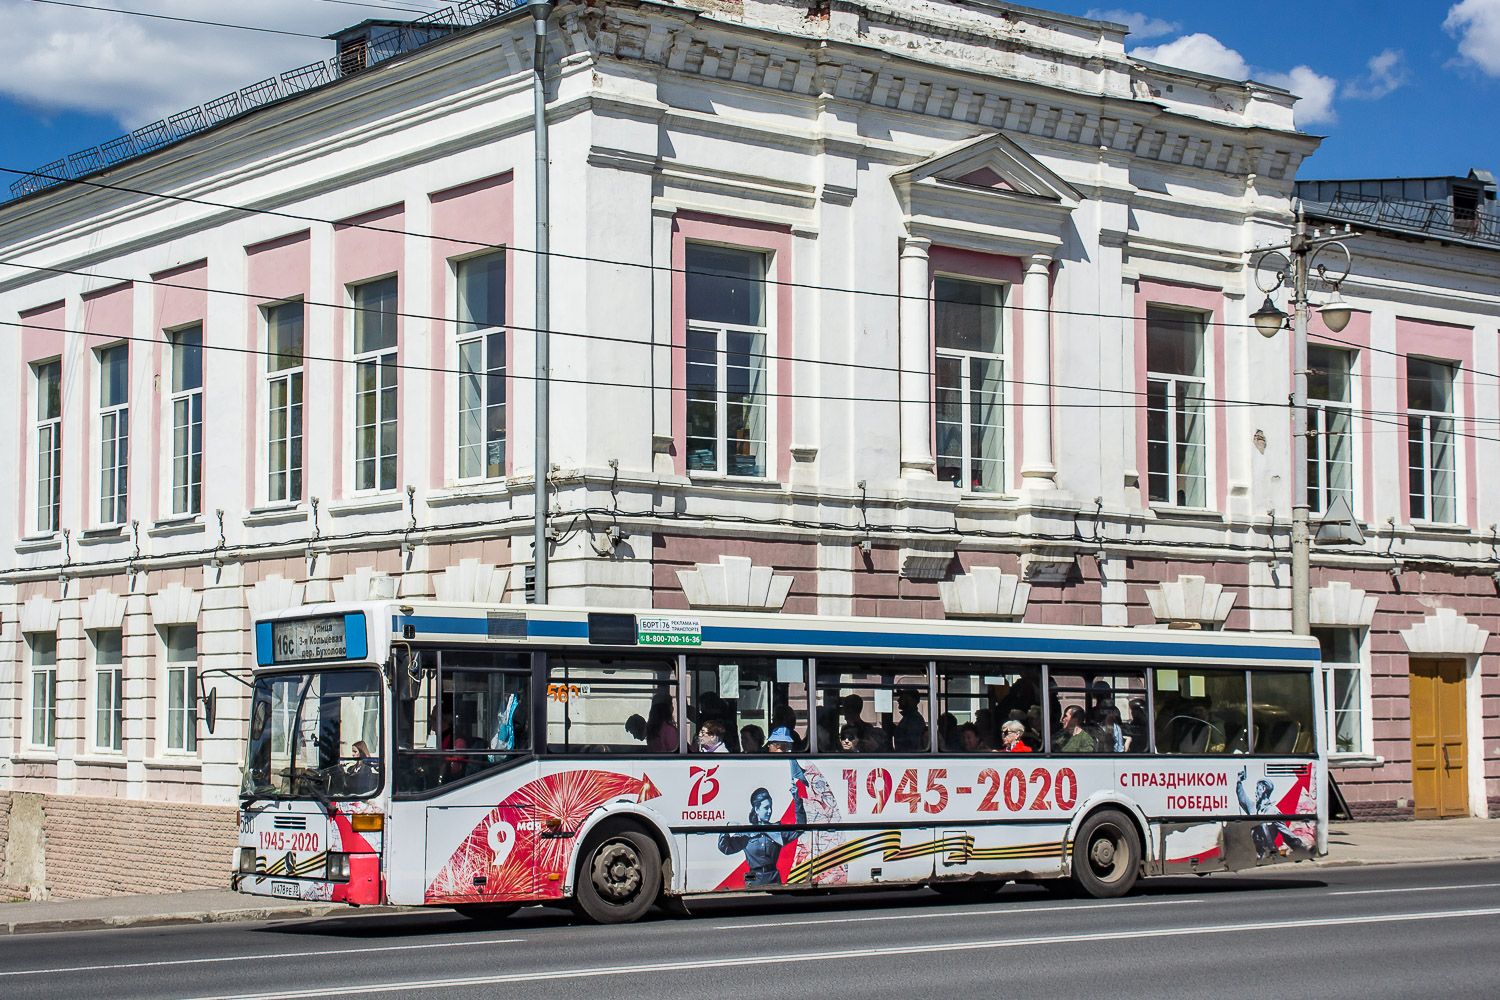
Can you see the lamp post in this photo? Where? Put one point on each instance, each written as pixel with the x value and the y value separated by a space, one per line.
pixel 541 10
pixel 1291 266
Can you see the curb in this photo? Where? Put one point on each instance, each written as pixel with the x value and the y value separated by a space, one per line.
pixel 201 917
pixel 1371 863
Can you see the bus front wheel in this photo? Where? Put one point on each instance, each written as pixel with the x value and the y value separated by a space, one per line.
pixel 1106 855
pixel 620 877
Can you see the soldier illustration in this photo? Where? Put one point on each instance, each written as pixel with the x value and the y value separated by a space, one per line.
pixel 762 847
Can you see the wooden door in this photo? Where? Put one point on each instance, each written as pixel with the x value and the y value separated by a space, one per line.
pixel 1439 754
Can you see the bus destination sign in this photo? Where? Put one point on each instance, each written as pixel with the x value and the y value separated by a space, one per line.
pixel 306 639
pixel 669 632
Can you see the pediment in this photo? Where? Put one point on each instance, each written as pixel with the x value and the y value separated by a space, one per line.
pixel 990 163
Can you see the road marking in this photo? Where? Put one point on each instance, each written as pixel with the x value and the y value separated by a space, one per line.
pixel 261 958
pixel 1417 888
pixel 994 910
pixel 885 951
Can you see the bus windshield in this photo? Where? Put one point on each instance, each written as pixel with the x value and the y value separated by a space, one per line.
pixel 315 735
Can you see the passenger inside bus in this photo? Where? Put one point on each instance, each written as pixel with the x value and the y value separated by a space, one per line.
pixel 1013 737
pixel 1072 737
pixel 752 739
pixel 971 741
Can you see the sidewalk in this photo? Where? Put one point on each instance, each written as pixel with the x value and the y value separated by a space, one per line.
pixel 1409 842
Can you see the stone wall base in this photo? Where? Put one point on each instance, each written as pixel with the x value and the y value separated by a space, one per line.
pixel 72 847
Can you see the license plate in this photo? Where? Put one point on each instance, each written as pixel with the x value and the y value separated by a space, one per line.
pixel 290 889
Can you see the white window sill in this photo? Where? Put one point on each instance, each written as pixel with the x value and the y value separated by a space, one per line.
pixel 720 479
pixel 102 758
pixel 39 543
pixel 479 490
pixel 168 526
pixel 102 536
pixel 280 514
pixel 1354 760
pixel 182 763
pixel 1442 527
pixel 1164 512
pixel 375 503
pixel 36 755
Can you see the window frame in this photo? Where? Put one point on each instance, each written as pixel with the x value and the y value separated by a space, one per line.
pixel 381 362
pixel 1360 666
pixel 190 504
pixel 116 708
pixel 46 478
pixel 485 337
pixel 48 672
pixel 965 390
pixel 294 378
pixel 1175 410
pixel 113 450
pixel 1428 498
pixel 1319 494
pixel 189 707
pixel 720 332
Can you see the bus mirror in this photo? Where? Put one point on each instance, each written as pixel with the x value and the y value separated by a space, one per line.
pixel 211 709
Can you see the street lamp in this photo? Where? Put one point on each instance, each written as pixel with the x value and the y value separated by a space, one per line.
pixel 1291 266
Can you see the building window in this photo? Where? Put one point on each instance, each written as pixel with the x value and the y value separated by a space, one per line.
pixel 1346 695
pixel 109 703
pixel 1330 422
pixel 284 402
pixel 114 432
pixel 48 445
pixel 1176 448
pixel 726 360
pixel 182 688
pixel 1430 443
pixel 375 385
pixel 970 384
pixel 187 420
pixel 481 364
pixel 43 688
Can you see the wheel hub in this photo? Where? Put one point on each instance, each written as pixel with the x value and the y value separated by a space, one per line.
pixel 1103 853
pixel 617 872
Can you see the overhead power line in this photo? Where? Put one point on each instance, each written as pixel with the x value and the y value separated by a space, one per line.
pixel 180 20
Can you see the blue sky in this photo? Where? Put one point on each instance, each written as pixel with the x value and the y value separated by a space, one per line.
pixel 1400 88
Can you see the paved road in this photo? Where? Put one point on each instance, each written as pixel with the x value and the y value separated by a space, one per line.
pixel 1418 931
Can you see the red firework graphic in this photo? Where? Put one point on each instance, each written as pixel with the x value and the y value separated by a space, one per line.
pixel 515 849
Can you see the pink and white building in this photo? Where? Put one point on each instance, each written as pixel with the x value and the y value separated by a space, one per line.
pixel 932 308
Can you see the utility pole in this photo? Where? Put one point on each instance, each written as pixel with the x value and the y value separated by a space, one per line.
pixel 541 10
pixel 1291 266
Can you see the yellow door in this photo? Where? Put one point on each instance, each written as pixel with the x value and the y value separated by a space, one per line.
pixel 1439 756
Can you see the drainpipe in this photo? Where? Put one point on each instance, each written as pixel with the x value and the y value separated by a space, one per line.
pixel 541 10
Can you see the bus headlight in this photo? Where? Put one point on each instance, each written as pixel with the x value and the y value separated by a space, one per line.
pixel 247 860
pixel 338 866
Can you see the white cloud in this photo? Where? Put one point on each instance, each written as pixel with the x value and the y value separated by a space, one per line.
pixel 1314 92
pixel 1206 54
pixel 1200 53
pixel 1476 25
pixel 138 70
pixel 1140 25
pixel 1387 72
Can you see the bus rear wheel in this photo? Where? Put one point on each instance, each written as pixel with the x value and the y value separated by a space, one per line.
pixel 1106 855
pixel 620 877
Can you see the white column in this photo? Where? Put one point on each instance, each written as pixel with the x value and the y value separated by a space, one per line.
pixel 916 362
pixel 1037 470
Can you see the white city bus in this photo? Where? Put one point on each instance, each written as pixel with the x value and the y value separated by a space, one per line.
pixel 486 757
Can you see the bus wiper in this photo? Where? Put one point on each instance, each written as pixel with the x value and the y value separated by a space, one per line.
pixel 310 786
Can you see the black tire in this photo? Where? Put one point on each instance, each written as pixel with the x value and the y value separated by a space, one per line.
pixel 1106 855
pixel 969 891
pixel 488 914
pixel 619 877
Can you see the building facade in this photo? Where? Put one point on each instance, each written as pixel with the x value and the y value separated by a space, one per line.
pixel 934 308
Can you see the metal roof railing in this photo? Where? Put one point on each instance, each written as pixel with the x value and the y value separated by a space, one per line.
pixel 1435 219
pixel 398 41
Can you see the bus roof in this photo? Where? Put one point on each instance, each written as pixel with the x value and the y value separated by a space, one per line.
pixel 773 634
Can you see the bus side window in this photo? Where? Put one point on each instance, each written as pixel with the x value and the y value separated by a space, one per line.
pixel 872 709
pixel 1108 710
pixel 470 715
pixel 602 704
pixel 751 697
pixel 976 699
pixel 1201 711
pixel 1281 712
